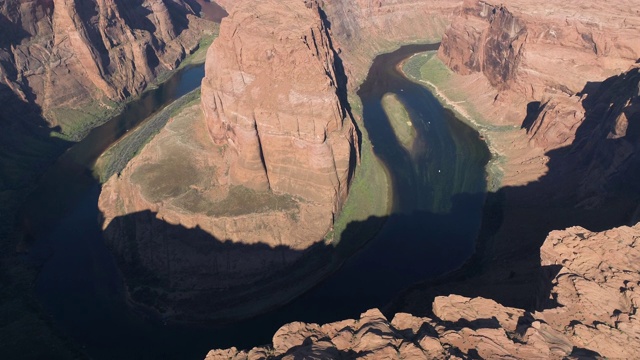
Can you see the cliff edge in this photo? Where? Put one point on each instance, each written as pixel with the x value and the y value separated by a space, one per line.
pixel 275 94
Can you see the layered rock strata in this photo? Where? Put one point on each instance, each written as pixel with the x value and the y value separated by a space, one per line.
pixel 273 97
pixel 224 202
pixel 364 29
pixel 556 86
pixel 540 66
pixel 560 116
pixel 73 58
pixel 590 312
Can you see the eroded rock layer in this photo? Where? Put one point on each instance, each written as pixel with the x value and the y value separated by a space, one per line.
pixel 72 58
pixel 590 312
pixel 226 209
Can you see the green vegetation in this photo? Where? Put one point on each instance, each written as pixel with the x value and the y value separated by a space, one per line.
pixel 76 123
pixel 399 119
pixel 235 204
pixel 195 58
pixel 369 194
pixel 427 69
pixel 120 153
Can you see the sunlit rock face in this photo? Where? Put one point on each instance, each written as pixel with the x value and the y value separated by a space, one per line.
pixel 273 97
pixel 363 29
pixel 493 46
pixel 76 57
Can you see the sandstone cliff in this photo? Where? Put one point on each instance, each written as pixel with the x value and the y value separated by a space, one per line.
pixel 565 76
pixel 74 59
pixel 276 98
pixel 590 312
pixel 362 29
pixel 263 171
pixel 555 87
pixel 530 56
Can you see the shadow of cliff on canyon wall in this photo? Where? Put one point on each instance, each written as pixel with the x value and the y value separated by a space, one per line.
pixel 27 140
pixel 200 277
pixel 342 90
pixel 594 182
pixel 135 15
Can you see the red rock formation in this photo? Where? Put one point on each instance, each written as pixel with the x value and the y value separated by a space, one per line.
pixel 490 40
pixel 530 56
pixel 83 55
pixel 591 312
pixel 273 96
pixel 545 72
pixel 264 172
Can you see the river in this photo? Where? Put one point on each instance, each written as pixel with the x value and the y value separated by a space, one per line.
pixel 438 194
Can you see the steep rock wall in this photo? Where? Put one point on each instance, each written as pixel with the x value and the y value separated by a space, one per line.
pixel 84 55
pixel 277 99
pixel 559 76
pixel 528 55
pixel 364 28
pixel 489 41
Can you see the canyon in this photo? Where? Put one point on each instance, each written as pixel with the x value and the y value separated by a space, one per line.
pixel 229 210
pixel 66 67
pixel 555 94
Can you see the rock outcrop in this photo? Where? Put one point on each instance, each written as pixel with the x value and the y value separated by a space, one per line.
pixel 590 312
pixel 74 59
pixel 278 99
pixel 494 45
pixel 264 169
pixel 543 60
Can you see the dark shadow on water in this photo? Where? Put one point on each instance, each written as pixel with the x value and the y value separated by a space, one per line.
pixel 427 234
